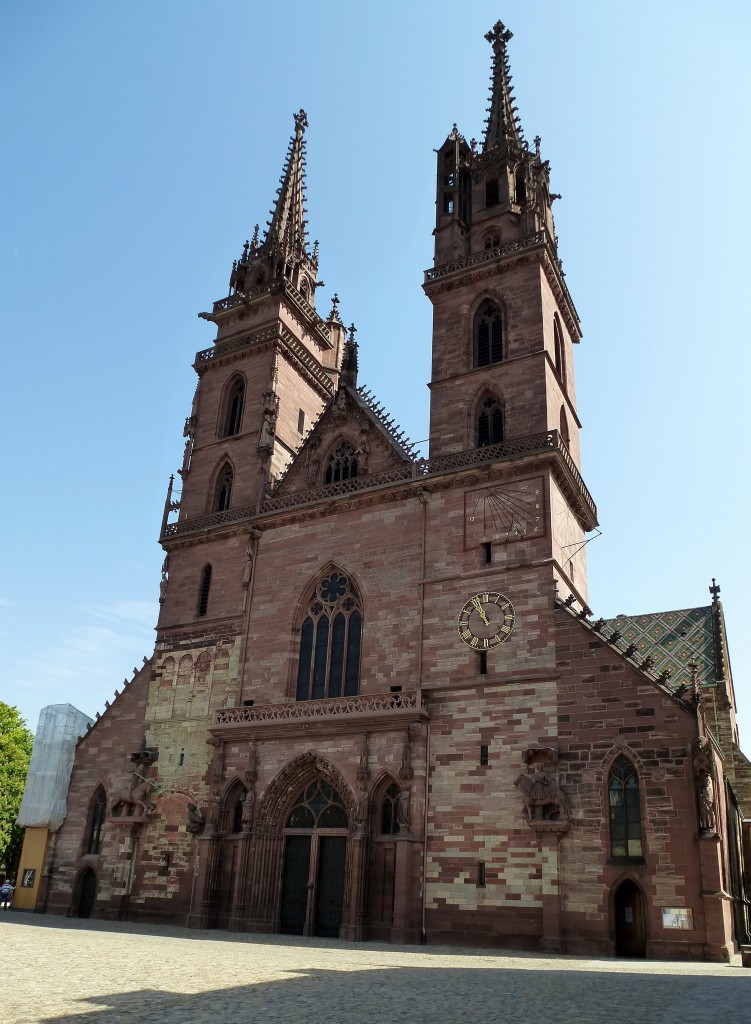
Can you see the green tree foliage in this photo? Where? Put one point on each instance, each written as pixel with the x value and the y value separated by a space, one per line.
pixel 15 753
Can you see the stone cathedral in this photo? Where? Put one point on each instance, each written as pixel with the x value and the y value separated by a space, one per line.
pixel 379 706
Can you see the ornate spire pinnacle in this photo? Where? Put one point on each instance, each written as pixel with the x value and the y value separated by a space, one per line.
pixel 502 125
pixel 286 229
pixel 349 359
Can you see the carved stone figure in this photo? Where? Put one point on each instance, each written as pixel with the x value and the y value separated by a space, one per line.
pixel 313 460
pixel 164 580
pixel 248 567
pixel 268 429
pixel 135 799
pixel 196 820
pixel 362 452
pixel 544 800
pixel 402 809
pixel 707 810
pixel 212 815
pixel 248 804
pixel 362 809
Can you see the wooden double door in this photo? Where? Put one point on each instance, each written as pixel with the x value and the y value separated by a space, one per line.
pixel 313 883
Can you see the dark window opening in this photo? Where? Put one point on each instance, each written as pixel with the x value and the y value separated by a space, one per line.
pixel 342 464
pixel 203 593
pixel 98 816
pixel 488 335
pixel 484 754
pixel 625 810
pixel 480 874
pixel 521 188
pixel 489 422
pixel 235 401
pixel 448 202
pixel 483 656
pixel 487 550
pixel 223 493
pixel 492 196
pixel 301 421
pixel 395 689
pixel 389 811
pixel 237 816
pixel 181 762
pixel 164 864
pixel 448 180
pixel 318 806
pixel 247 703
pixel 492 241
pixel 330 640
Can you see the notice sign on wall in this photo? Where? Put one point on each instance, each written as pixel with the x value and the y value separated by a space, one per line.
pixel 27 878
pixel 673 917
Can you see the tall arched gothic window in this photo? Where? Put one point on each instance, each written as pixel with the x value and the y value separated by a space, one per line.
pixel 223 492
pixel 234 408
pixel 625 810
pixel 330 638
pixel 488 335
pixel 96 823
pixel 560 351
pixel 489 422
pixel 342 463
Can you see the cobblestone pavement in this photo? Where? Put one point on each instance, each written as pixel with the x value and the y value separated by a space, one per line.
pixel 93 972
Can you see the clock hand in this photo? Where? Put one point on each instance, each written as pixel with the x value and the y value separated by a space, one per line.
pixel 480 611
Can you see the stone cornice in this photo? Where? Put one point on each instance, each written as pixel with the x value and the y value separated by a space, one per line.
pixel 413 478
pixel 254 295
pixel 490 262
pixel 274 334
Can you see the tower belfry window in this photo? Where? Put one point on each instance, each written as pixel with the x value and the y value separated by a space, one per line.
pixel 489 422
pixel 492 197
pixel 223 493
pixel 234 412
pixel 330 637
pixel 488 335
pixel 342 463
pixel 203 591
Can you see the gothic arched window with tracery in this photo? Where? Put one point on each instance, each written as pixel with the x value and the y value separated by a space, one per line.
pixel 330 638
pixel 342 463
pixel 489 422
pixel 625 810
pixel 223 491
pixel 96 822
pixel 488 335
pixel 234 408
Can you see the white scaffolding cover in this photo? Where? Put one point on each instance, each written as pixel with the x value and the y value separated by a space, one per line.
pixel 46 791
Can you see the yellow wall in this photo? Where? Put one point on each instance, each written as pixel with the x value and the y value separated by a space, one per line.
pixel 32 857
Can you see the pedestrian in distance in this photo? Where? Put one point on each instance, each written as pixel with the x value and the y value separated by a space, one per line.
pixel 6 894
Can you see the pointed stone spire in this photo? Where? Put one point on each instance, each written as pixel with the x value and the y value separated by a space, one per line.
pixel 286 229
pixel 334 314
pixel 502 126
pixel 349 359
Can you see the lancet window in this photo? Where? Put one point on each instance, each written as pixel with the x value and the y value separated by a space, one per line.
pixel 234 408
pixel 223 492
pixel 489 422
pixel 342 463
pixel 625 810
pixel 96 824
pixel 389 811
pixel 203 590
pixel 330 638
pixel 488 335
pixel 560 352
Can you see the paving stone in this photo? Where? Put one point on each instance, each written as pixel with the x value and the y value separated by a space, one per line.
pixel 92 972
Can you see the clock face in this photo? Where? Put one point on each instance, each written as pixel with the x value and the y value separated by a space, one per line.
pixel 486 621
pixel 507 513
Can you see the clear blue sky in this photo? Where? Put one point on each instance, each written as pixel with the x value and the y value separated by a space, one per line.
pixel 142 142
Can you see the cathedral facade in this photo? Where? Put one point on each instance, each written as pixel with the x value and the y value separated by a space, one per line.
pixel 379 706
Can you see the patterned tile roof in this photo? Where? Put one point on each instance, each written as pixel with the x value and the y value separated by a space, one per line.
pixel 673 639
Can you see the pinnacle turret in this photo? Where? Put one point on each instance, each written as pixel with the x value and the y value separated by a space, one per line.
pixel 502 126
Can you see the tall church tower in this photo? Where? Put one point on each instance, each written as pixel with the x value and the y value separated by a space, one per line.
pixel 504 329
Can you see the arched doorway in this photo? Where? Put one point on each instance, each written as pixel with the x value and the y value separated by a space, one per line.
pixel 315 854
pixel 86 893
pixel 630 925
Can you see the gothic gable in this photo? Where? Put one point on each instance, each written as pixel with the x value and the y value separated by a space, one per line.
pixel 351 439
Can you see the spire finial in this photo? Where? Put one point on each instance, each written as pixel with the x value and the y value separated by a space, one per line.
pixel 503 123
pixel 334 314
pixel 714 590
